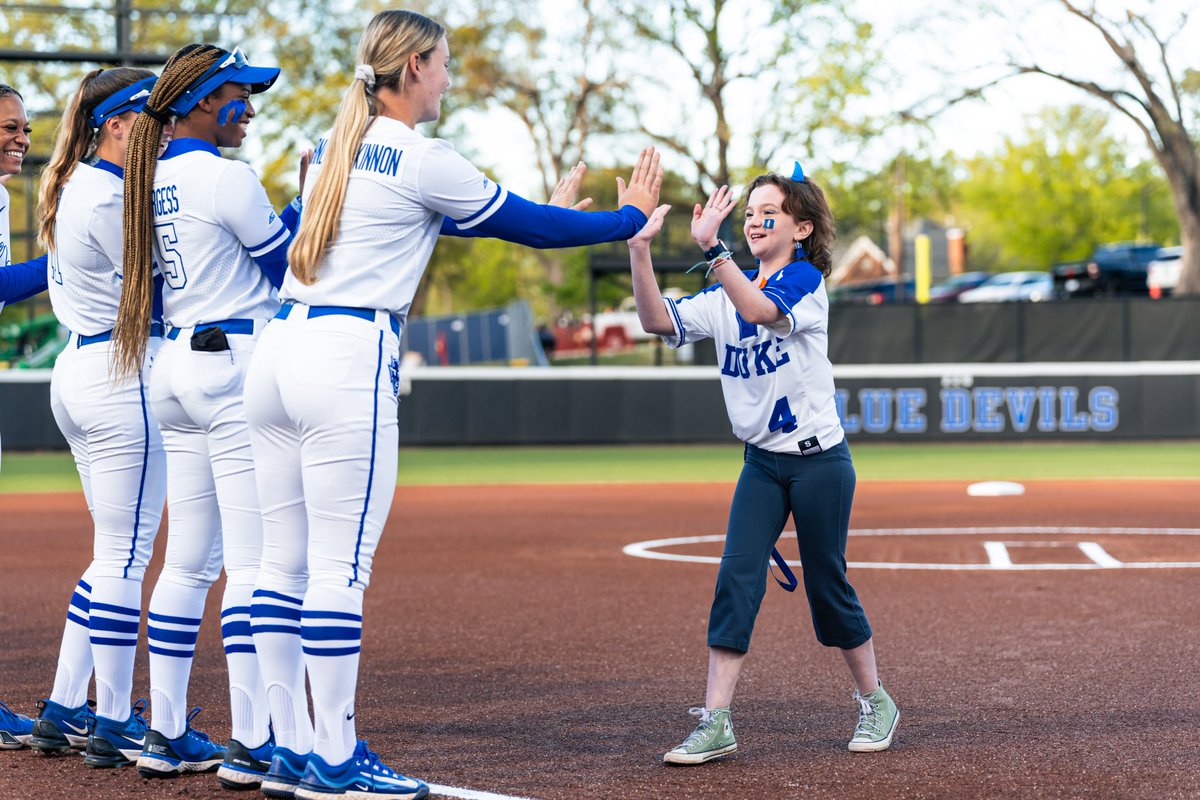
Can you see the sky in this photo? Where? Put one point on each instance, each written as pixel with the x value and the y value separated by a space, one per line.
pixel 934 50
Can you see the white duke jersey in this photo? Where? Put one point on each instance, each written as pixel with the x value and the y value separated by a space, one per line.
pixel 84 270
pixel 777 382
pixel 400 188
pixel 211 219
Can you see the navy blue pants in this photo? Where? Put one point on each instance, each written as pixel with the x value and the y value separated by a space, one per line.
pixel 817 491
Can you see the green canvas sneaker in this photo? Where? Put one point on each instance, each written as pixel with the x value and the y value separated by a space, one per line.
pixel 877 720
pixel 712 738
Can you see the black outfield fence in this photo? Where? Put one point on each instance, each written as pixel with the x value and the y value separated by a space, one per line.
pixel 1118 329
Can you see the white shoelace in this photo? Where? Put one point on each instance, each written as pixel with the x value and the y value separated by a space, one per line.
pixel 867 723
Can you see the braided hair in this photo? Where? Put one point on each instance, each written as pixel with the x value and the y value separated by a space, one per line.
pixel 186 66
pixel 77 139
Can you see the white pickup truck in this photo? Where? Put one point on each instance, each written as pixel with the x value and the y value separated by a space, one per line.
pixel 620 328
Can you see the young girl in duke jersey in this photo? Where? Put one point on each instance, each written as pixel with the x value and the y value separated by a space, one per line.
pixel 321 394
pixel 770 326
pixel 109 426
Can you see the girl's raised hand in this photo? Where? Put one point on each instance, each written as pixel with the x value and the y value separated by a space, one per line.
pixel 653 225
pixel 707 219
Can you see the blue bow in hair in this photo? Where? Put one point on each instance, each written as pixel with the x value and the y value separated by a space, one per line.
pixel 796 173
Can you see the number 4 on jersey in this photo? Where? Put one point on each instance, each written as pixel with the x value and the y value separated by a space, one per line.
pixel 171 264
pixel 782 417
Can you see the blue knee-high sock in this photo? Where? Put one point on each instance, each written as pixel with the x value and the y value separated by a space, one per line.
pixel 275 624
pixel 248 707
pixel 331 629
pixel 173 624
pixel 75 654
pixel 116 614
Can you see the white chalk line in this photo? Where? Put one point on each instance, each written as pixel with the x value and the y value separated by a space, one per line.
pixel 998 560
pixel 470 794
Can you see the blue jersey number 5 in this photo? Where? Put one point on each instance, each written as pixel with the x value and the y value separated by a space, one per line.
pixel 172 261
pixel 782 417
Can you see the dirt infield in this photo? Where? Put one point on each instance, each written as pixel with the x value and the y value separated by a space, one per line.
pixel 511 647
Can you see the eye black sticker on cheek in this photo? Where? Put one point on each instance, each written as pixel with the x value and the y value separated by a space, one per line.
pixel 231 112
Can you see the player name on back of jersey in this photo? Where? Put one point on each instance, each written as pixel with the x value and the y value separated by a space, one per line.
pixel 382 159
pixel 166 201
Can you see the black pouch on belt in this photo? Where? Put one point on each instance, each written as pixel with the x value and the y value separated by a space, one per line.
pixel 210 340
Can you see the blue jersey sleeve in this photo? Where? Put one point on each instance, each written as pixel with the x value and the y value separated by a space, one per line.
pixel 23 280
pixel 526 223
pixel 290 216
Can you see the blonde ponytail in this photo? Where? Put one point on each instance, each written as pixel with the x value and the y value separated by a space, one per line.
pixel 387 43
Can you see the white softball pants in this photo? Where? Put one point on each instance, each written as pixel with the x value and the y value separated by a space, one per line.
pixel 321 401
pixel 212 518
pixel 118 450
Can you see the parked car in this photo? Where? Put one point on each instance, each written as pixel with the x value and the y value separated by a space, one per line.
pixel 872 293
pixel 1162 274
pixel 1004 287
pixel 1112 269
pixel 949 290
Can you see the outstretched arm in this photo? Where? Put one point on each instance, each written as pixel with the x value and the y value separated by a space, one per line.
pixel 546 226
pixel 753 306
pixel 23 280
pixel 652 314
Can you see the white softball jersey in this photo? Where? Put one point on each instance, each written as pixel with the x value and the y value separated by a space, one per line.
pixel 777 381
pixel 401 187
pixel 214 229
pixel 5 244
pixel 84 271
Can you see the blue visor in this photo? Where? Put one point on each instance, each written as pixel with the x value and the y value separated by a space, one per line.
pixel 131 98
pixel 234 68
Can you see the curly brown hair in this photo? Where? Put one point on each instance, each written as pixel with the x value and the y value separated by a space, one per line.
pixel 805 200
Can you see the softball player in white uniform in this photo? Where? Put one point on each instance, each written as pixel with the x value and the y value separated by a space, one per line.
pixel 110 428
pixel 321 393
pixel 16 283
pixel 221 249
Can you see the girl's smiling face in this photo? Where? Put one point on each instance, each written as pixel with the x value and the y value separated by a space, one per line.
pixel 770 231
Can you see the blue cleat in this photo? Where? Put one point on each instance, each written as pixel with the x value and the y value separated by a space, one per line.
pixel 117 744
pixel 244 767
pixel 361 777
pixel 287 768
pixel 59 729
pixel 192 752
pixel 15 729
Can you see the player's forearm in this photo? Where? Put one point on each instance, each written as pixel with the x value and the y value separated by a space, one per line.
pixel 23 280
pixel 652 314
pixel 753 306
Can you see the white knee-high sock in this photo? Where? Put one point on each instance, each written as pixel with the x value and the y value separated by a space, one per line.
pixel 173 623
pixel 116 615
pixel 75 654
pixel 275 624
pixel 331 629
pixel 248 706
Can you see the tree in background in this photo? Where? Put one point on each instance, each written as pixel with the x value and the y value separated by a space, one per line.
pixel 1161 101
pixel 799 63
pixel 1067 186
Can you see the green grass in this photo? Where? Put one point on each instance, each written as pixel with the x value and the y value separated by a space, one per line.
pixel 55 472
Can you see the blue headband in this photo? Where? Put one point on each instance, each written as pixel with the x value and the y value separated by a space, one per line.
pixel 233 68
pixel 131 98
